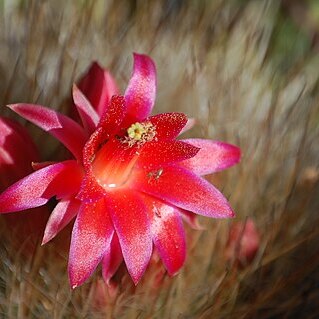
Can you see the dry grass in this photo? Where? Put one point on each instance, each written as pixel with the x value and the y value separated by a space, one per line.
pixel 227 63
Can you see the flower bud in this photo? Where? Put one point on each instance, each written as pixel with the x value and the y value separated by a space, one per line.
pixel 243 242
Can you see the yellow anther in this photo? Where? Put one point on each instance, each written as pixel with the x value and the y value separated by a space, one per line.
pixel 136 131
pixel 140 133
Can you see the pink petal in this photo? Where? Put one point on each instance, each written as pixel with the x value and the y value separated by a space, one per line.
pixel 213 156
pixel 168 234
pixel 141 91
pixel 156 154
pixel 88 115
pixel 168 125
pixel 98 86
pixel 91 235
pixel 60 126
pixel 61 179
pixel 62 214
pixel 189 125
pixel 185 190
pixel 130 219
pixel 112 259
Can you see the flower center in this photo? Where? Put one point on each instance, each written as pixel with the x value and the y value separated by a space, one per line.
pixel 113 164
pixel 136 131
pixel 140 133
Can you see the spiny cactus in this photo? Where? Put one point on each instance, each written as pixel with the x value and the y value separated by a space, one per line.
pixel 247 71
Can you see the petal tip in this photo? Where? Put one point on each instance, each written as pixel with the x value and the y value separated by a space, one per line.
pixel 75 89
pixel 136 278
pixel 173 273
pixel 107 281
pixel 12 106
pixel 136 274
pixel 230 213
pixel 140 94
pixel 46 238
pixel 76 92
pixel 74 283
pixel 237 154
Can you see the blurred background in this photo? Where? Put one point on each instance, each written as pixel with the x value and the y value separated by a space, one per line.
pixel 248 72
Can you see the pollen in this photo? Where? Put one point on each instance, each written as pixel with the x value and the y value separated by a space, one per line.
pixel 136 131
pixel 140 133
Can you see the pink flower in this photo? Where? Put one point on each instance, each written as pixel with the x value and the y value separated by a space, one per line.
pixel 129 182
pixel 17 152
pixel 243 242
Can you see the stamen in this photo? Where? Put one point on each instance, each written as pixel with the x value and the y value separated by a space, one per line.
pixel 140 133
pixel 135 131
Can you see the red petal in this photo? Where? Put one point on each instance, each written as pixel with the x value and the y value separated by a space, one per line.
pixel 62 214
pixel 113 116
pixel 98 86
pixel 141 91
pixel 112 259
pixel 60 126
pixel 168 234
pixel 88 115
pixel 91 235
pixel 61 179
pixel 156 154
pixel 168 125
pixel 213 156
pixel 67 183
pixel 130 219
pixel 185 190
pixel 90 189
pixel 94 143
pixel 107 126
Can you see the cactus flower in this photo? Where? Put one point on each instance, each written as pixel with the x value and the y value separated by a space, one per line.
pixel 129 181
pixel 17 152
